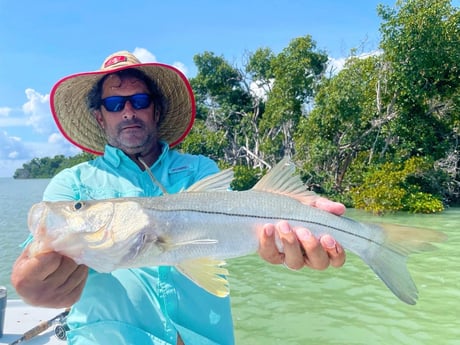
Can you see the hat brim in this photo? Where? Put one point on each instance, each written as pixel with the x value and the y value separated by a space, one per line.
pixel 68 101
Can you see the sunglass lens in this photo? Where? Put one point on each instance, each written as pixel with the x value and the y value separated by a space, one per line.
pixel 114 103
pixel 117 103
pixel 140 101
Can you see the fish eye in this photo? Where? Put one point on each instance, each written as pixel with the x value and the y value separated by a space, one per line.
pixel 78 205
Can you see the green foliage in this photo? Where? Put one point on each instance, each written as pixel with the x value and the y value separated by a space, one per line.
pixel 381 190
pixel 421 202
pixel 258 106
pixel 344 122
pixel 40 167
pixel 205 142
pixel 74 160
pixel 296 71
pixel 225 105
pixel 48 167
pixel 260 65
pixel 245 177
pixel 387 188
pixel 420 42
pixel 386 109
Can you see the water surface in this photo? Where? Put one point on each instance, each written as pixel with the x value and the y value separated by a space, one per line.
pixel 16 197
pixel 350 305
pixel 272 305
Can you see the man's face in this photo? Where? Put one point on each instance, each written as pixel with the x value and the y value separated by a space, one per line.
pixel 131 130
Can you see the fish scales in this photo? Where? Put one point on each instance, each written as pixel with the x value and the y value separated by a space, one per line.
pixel 228 217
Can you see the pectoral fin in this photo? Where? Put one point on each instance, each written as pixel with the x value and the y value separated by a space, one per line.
pixel 208 274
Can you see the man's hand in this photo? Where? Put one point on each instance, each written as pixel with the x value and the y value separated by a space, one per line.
pixel 48 280
pixel 300 247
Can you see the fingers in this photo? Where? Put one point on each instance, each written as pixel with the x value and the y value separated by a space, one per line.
pixel 334 250
pixel 330 206
pixel 294 255
pixel 67 276
pixel 49 280
pixel 299 248
pixel 71 288
pixel 268 249
pixel 39 266
pixel 315 255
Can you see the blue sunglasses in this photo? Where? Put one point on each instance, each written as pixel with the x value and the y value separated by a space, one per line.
pixel 117 103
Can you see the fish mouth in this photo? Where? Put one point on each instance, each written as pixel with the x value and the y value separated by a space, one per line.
pixel 36 218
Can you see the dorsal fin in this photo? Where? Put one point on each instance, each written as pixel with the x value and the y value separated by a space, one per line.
pixel 217 182
pixel 281 179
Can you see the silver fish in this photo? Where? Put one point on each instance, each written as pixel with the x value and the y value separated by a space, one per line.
pixel 197 229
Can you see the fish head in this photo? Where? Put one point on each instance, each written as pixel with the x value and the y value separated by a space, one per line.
pixel 55 218
pixel 59 226
pixel 102 234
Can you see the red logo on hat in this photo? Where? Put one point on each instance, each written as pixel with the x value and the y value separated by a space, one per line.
pixel 114 60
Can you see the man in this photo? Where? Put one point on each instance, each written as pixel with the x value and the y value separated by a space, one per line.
pixel 134 113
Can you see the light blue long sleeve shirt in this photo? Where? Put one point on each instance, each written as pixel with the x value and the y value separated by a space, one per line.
pixel 144 305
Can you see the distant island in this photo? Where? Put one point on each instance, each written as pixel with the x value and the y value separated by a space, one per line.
pixel 47 167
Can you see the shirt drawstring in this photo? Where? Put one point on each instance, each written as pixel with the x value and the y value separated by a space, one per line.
pixel 152 177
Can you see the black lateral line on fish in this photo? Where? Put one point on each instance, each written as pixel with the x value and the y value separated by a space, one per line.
pixel 281 218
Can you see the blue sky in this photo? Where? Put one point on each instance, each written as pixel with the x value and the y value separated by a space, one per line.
pixel 44 41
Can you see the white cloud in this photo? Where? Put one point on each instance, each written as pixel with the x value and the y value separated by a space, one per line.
pixel 336 65
pixel 13 155
pixel 12 117
pixel 12 122
pixel 9 166
pixel 14 152
pixel 11 147
pixel 38 112
pixel 58 145
pixel 5 111
pixel 181 67
pixel 144 55
pixel 56 138
pixel 260 90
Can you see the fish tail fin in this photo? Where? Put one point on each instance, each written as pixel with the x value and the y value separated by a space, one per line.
pixel 207 273
pixel 389 261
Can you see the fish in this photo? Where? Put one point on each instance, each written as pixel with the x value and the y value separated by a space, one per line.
pixel 198 229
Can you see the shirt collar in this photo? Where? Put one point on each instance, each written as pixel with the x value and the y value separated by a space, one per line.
pixel 117 157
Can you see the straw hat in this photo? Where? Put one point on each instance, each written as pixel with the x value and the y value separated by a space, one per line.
pixel 75 121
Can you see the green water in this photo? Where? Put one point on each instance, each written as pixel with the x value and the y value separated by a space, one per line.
pixel 350 305
pixel 272 305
